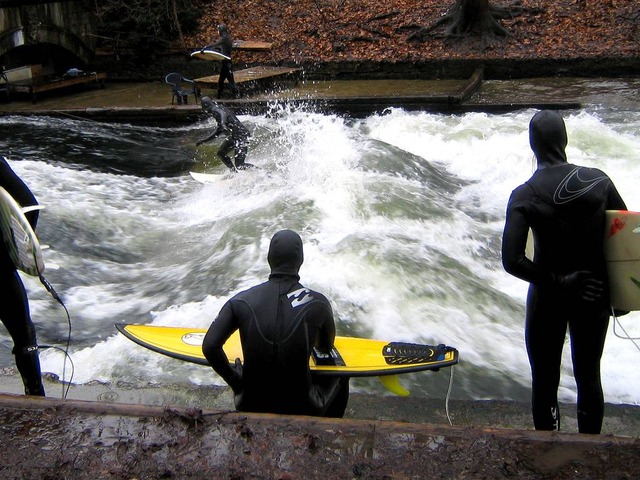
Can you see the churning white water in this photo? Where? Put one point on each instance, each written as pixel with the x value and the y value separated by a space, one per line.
pixel 401 215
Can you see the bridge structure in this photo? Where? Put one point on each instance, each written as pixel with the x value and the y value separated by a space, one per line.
pixel 58 35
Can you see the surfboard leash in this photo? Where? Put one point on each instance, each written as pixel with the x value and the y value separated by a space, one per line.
pixel 448 395
pixel 65 350
pixel 626 336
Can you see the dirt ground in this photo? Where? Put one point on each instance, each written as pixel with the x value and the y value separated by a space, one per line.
pixel 380 30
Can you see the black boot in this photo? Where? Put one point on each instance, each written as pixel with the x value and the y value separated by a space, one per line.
pixel 28 364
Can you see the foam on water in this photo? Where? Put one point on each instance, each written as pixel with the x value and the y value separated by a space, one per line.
pixel 401 215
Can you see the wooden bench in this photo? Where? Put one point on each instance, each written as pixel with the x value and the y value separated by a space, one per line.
pixel 45 83
pixel 252 74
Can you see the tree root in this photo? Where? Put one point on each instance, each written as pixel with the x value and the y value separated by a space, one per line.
pixel 473 19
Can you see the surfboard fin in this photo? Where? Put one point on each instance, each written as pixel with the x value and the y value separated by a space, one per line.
pixel 392 383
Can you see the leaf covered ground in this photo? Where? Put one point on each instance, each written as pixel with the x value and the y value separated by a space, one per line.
pixel 361 30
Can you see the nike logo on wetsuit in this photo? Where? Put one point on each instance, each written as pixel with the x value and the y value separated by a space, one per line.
pixel 572 187
pixel 299 297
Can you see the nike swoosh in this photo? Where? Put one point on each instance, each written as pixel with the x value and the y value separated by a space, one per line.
pixel 572 187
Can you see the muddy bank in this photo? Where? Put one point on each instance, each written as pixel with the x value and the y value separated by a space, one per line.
pixel 620 420
pixel 86 440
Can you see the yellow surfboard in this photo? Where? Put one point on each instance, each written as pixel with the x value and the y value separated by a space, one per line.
pixel 351 356
pixel 622 252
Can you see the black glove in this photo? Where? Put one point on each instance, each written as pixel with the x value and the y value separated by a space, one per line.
pixel 581 284
pixel 236 383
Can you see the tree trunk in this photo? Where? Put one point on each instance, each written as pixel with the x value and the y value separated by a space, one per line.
pixel 466 18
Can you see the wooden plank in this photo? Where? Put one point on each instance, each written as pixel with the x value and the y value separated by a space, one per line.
pixel 251 45
pixel 248 75
pixel 41 84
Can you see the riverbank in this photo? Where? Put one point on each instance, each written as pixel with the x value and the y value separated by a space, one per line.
pixel 620 420
pixel 124 432
pixel 374 39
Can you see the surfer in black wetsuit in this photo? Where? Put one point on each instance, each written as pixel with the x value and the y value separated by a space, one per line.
pixel 224 45
pixel 237 135
pixel 280 322
pixel 564 206
pixel 14 307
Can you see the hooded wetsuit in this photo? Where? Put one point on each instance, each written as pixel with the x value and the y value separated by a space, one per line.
pixel 14 307
pixel 225 46
pixel 237 135
pixel 280 321
pixel 564 206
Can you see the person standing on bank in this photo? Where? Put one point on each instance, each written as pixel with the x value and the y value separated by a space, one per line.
pixel 280 322
pixel 564 206
pixel 225 46
pixel 14 307
pixel 237 135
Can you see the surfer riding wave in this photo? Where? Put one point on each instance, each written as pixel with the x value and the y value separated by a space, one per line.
pixel 237 135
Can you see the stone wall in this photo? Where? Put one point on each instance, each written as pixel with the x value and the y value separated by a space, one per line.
pixel 66 24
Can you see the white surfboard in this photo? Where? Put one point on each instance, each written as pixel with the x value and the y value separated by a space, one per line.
pixel 206 54
pixel 622 251
pixel 17 234
pixel 208 177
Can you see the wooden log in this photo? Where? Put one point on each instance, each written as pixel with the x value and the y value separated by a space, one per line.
pixel 88 440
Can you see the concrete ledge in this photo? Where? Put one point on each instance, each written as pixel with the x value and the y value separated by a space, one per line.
pixel 355 107
pixel 88 440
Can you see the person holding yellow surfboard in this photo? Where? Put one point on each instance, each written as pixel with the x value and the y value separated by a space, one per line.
pixel 564 206
pixel 280 323
pixel 14 308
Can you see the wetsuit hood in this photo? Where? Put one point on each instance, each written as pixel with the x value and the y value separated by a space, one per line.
pixel 222 29
pixel 548 138
pixel 285 255
pixel 207 104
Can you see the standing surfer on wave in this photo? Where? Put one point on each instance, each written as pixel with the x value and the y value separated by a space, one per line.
pixel 564 206
pixel 237 135
pixel 14 308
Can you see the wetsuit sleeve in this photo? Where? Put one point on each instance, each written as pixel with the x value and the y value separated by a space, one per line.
pixel 514 242
pixel 14 185
pixel 222 125
pixel 327 328
pixel 210 137
pixel 219 331
pixel 614 200
pixel 217 45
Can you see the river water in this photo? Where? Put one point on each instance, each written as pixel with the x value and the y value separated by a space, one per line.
pixel 401 214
